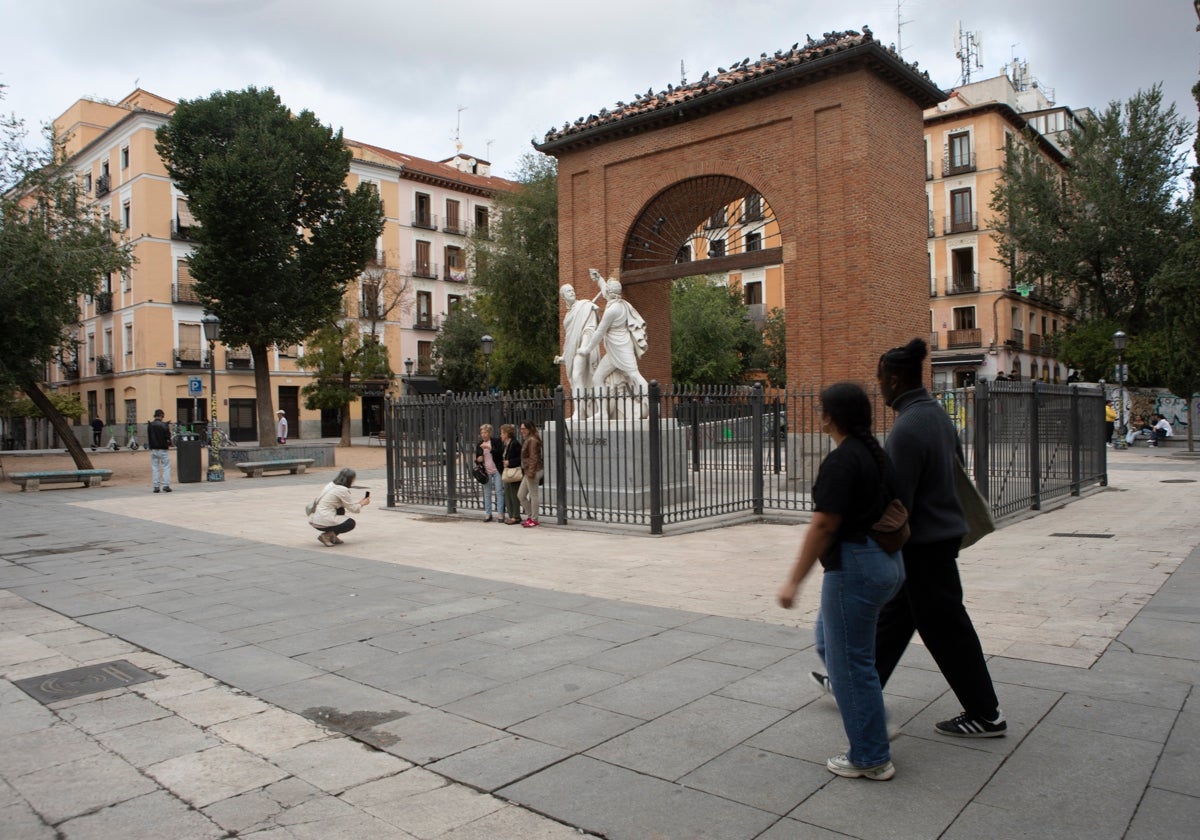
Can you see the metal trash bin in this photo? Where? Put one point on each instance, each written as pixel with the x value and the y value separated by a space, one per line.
pixel 188 460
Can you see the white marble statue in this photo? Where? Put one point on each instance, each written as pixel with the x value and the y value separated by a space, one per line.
pixel 578 325
pixel 623 333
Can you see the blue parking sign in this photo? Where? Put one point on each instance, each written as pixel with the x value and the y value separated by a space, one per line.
pixel 195 386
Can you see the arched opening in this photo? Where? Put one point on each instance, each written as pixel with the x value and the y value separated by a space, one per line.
pixel 703 225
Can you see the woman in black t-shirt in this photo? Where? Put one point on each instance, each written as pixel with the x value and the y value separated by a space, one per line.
pixel 859 577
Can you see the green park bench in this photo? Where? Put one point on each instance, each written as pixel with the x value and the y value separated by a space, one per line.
pixel 33 481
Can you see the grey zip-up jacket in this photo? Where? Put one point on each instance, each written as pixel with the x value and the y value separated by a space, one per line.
pixel 923 445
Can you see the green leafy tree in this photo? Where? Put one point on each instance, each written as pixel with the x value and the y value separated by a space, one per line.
pixel 516 277
pixel 342 356
pixel 279 233
pixel 458 359
pixel 712 341
pixel 53 249
pixel 1095 235
pixel 775 347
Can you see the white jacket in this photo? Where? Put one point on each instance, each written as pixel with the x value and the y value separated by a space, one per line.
pixel 333 496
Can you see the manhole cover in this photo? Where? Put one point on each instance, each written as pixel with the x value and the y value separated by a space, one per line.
pixel 1086 536
pixel 64 685
pixel 1178 481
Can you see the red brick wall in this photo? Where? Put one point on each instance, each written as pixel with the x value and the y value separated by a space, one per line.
pixel 841 164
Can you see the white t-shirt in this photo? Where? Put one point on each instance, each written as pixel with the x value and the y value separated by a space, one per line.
pixel 1164 428
pixel 281 427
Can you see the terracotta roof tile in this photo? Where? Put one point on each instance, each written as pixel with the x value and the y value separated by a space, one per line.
pixel 725 78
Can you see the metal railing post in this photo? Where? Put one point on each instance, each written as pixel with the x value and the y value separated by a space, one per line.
pixel 756 438
pixel 655 442
pixel 390 440
pixel 450 426
pixel 1035 453
pixel 560 454
pixel 983 433
pixel 1073 440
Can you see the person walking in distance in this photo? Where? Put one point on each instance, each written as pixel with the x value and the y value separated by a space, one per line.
pixel 923 446
pixel 281 426
pixel 158 440
pixel 97 431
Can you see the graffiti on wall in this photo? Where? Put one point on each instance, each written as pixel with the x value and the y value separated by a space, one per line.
pixel 1175 409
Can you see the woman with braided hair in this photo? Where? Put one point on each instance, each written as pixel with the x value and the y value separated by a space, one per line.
pixel 849 496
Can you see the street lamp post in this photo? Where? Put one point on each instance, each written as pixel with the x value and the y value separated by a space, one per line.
pixel 487 344
pixel 408 366
pixel 212 332
pixel 1119 339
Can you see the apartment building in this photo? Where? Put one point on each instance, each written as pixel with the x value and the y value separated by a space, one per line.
pixel 981 324
pixel 140 345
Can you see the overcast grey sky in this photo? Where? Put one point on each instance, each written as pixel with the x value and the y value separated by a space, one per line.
pixel 395 72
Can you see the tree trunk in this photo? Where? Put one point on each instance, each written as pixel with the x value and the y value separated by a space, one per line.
pixel 345 441
pixel 262 390
pixel 58 423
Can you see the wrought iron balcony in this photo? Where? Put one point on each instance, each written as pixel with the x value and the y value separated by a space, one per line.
pixel 189 357
pixel 962 284
pixel 104 302
pixel 104 364
pixel 933 340
pixel 455 226
pixel 427 270
pixel 1035 342
pixel 1017 340
pixel 962 223
pixel 103 185
pixel 238 358
pixel 428 221
pixel 186 293
pixel 932 232
pixel 957 164
pixel 70 370
pixel 182 232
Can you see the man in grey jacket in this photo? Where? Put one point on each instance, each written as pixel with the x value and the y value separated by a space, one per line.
pixel 923 445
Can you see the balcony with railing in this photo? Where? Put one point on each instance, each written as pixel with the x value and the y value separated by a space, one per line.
pixel 185 232
pixel 458 227
pixel 1035 342
pixel 427 221
pixel 426 270
pixel 1017 340
pixel 968 337
pixel 962 284
pixel 933 340
pixel 189 357
pixel 238 358
pixel 455 275
pixel 928 170
pixel 932 232
pixel 70 370
pixel 756 313
pixel 103 185
pixel 104 303
pixel 104 365
pixel 369 309
pixel 185 292
pixel 962 223
pixel 427 323
pixel 958 163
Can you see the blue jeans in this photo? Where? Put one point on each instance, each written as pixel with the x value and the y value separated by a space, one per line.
pixel 492 495
pixel 160 467
pixel 851 598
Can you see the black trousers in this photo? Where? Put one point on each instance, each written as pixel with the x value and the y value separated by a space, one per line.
pixel 345 526
pixel 931 603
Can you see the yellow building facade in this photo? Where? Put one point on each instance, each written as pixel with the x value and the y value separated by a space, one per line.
pixel 140 345
pixel 981 325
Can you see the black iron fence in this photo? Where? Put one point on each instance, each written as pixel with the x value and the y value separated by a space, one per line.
pixel 679 455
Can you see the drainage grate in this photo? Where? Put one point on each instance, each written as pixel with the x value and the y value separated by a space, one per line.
pixel 66 685
pixel 1086 536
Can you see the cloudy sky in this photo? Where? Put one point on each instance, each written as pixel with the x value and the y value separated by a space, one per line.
pixel 396 72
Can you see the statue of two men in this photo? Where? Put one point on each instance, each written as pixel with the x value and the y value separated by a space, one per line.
pixel 621 329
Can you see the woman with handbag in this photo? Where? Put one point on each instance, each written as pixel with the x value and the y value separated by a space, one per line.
pixel 487 456
pixel 532 468
pixel 511 474
pixel 329 513
pixel 850 496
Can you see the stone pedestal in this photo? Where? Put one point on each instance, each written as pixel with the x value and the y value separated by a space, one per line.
pixel 608 464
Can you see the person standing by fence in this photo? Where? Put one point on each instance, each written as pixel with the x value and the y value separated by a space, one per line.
pixel 487 455
pixel 532 468
pixel 511 459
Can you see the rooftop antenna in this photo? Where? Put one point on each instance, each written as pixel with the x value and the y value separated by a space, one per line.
pixel 968 48
pixel 682 74
pixel 900 23
pixel 457 129
pixel 488 147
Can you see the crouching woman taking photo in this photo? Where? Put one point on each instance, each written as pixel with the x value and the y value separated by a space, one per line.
pixel 329 511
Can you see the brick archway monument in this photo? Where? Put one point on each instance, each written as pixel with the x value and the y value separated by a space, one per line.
pixel 819 153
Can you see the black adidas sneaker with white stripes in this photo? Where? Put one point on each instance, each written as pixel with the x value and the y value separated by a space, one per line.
pixel 969 726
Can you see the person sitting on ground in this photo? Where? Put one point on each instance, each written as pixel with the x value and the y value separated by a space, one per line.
pixel 330 515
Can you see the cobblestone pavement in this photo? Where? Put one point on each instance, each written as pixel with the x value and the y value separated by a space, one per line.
pixel 445 678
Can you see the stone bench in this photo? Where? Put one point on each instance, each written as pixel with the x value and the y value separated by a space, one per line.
pixel 33 481
pixel 254 469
